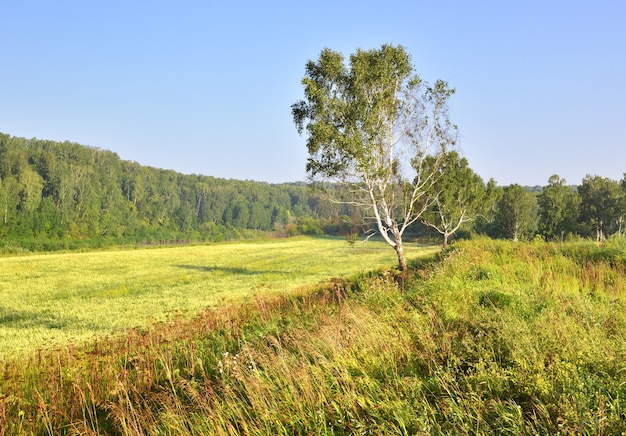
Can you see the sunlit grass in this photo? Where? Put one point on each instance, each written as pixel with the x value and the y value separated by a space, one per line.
pixel 491 337
pixel 46 299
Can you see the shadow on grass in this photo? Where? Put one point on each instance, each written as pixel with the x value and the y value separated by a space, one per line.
pixel 23 319
pixel 231 270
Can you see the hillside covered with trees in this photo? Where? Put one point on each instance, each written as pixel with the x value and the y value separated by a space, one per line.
pixel 52 193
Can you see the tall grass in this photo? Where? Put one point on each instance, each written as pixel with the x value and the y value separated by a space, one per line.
pixel 535 333
pixel 489 338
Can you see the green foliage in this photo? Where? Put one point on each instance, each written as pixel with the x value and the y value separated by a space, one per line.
pixel 371 123
pixel 67 196
pixel 309 226
pixel 51 192
pixel 601 207
pixel 459 194
pixel 515 215
pixel 558 209
pixel 352 238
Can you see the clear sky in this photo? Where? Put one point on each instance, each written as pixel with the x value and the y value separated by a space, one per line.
pixel 206 87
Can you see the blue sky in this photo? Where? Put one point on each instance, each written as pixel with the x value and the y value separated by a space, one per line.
pixel 206 87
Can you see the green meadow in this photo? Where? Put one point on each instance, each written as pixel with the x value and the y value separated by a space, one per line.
pixel 486 337
pixel 54 298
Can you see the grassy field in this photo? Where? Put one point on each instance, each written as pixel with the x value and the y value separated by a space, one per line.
pixel 51 298
pixel 490 337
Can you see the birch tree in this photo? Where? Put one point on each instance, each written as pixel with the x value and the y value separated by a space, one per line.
pixel 459 194
pixel 515 216
pixel 371 123
pixel 558 209
pixel 599 206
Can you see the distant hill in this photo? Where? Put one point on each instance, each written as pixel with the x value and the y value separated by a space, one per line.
pixel 53 191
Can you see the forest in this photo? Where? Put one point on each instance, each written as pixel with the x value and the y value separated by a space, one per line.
pixel 53 194
pixel 60 195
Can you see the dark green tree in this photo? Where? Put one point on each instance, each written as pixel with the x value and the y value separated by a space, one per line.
pixel 241 214
pixel 515 215
pixel 600 212
pixel 558 209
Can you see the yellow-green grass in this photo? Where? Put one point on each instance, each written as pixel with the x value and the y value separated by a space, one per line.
pixel 52 298
pixel 491 337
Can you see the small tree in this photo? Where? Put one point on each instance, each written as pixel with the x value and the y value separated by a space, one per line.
pixel 371 126
pixel 599 206
pixel 458 193
pixel 558 207
pixel 515 216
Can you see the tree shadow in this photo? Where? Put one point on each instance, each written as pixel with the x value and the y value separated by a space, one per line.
pixel 231 270
pixel 24 319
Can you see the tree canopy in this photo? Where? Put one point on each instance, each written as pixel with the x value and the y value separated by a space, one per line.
pixel 371 123
pixel 558 209
pixel 600 207
pixel 515 216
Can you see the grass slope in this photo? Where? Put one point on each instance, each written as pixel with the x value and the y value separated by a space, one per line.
pixel 490 338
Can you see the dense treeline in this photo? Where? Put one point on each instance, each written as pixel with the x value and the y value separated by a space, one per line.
pixel 52 193
pixel 66 195
pixel 595 209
